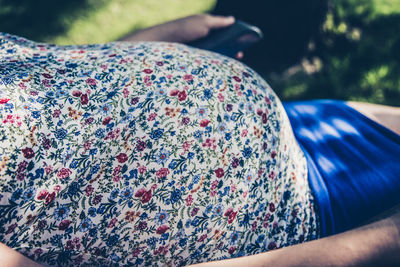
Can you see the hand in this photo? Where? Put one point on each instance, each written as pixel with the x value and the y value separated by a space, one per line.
pixel 183 30
pixel 196 27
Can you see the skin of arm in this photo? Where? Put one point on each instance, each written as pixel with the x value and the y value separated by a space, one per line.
pixel 375 244
pixel 181 30
pixel 11 258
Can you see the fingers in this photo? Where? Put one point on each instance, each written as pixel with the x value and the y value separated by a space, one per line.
pixel 239 55
pixel 215 22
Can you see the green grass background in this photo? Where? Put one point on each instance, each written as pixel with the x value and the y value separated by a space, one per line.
pixel 355 56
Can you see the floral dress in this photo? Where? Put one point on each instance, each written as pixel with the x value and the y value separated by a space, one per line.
pixel 144 154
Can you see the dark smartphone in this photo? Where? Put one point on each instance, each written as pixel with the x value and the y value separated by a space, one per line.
pixel 230 40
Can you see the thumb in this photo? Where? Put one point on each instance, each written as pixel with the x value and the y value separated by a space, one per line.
pixel 215 22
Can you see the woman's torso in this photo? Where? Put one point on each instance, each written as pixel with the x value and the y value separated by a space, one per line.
pixel 145 153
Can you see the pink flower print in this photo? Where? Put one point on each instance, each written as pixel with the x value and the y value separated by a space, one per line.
pixel 188 77
pixel 87 145
pixel 271 175
pixel 186 146
pixel 142 169
pixel 48 169
pixel 46 83
pixel 147 71
pixel 237 79
pixel 76 93
pixel 56 113
pixel 202 237
pixel 233 188
pixel 116 178
pixel 50 198
pixel 28 152
pixel 22 85
pixel 147 80
pixel 231 250
pixel 140 192
pixel 162 229
pixel 42 194
pixel 64 173
pixel 106 120
pixel 264 118
pixel 189 200
pixel 237 89
pixel 254 226
pixel 112 223
pixel 214 184
pixel 147 196
pixel 89 190
pixel 219 172
pixel 194 211
pixel 232 217
pixel 91 81
pixel 162 173
pixel 57 188
pixel 84 99
pixel 204 123
pixel 182 95
pixel 210 143
pixel 151 117
pixel 122 157
pixel 4 100
pixel 126 93
pixel 271 207
pixel 64 225
pixel 228 212
pixel 47 76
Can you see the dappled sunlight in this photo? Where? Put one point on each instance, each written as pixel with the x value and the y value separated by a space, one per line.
pixel 306 133
pixel 344 126
pixel 328 130
pixel 325 164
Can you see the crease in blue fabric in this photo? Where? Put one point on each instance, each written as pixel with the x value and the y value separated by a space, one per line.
pixel 353 162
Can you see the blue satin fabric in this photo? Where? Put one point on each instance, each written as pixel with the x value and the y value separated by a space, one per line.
pixel 353 162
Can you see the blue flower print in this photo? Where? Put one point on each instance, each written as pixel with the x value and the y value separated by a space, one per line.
pixel 61 212
pixel 157 134
pixel 85 225
pixel 247 152
pixel 60 134
pixel 161 217
pixel 218 210
pixel 201 112
pixel 221 127
pixel 162 156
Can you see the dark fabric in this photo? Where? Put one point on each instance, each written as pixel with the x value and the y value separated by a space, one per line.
pixel 353 162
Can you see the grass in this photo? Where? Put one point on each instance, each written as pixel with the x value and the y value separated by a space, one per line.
pixel 355 56
pixel 359 53
pixel 113 19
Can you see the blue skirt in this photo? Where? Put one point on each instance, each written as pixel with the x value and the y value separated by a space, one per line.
pixel 353 162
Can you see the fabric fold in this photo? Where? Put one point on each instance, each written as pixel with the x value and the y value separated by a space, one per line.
pixel 353 162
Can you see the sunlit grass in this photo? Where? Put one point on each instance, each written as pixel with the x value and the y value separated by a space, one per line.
pixel 113 19
pixel 386 7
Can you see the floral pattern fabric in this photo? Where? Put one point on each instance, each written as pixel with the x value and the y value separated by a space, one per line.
pixel 144 154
